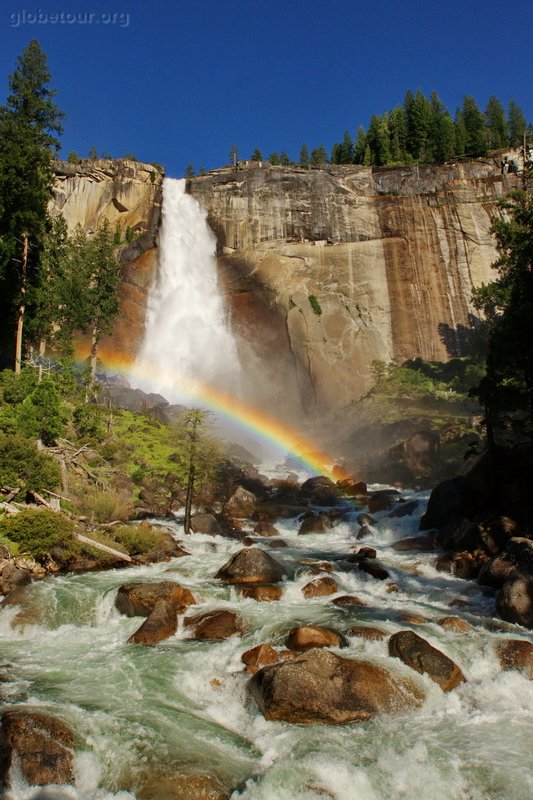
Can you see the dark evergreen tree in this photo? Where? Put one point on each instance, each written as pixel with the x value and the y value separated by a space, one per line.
pixel 517 124
pixel 189 172
pixel 398 135
pixel 378 139
pixel 257 155
pixel 474 122
pixel 274 159
pixel 284 159
pixel 319 156
pixel 304 156
pixel 460 133
pixel 29 125
pixel 359 145
pixel 496 122
pixel 418 117
pixel 346 149
pixel 441 131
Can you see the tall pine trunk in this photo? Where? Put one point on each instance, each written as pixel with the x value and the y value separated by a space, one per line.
pixel 22 305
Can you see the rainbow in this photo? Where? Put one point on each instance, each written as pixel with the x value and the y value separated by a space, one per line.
pixel 244 415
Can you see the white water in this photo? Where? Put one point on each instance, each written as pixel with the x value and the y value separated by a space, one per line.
pixel 185 703
pixel 188 336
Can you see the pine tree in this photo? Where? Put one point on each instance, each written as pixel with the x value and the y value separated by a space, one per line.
pixel 517 124
pixel 496 122
pixel 359 145
pixel 346 149
pixel 319 156
pixel 418 118
pixel 274 159
pixel 29 125
pixel 441 131
pixel 378 138
pixel 304 156
pixel 474 122
pixel 460 133
pixel 189 172
pixel 284 159
pixel 257 155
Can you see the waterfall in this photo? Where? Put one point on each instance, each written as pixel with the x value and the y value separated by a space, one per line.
pixel 188 336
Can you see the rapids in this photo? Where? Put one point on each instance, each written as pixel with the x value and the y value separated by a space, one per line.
pixel 184 703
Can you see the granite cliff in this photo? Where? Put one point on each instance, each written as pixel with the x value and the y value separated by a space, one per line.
pixel 325 270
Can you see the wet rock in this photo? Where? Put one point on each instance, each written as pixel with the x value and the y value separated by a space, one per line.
pixel 426 659
pixel 416 544
pixel 364 632
pixel 42 746
pixel 414 619
pixel 403 509
pixel 463 565
pixel 307 636
pixel 215 625
pixel 514 601
pixel 139 599
pixel 277 543
pixel 362 554
pixel 458 602
pixel 372 569
pixel 392 587
pixel 321 587
pixel 516 654
pixel 12 576
pixel 320 523
pixel 454 624
pixel 249 541
pixel 241 503
pixel 364 532
pixel 383 500
pixel 205 523
pixel 365 519
pixel 445 503
pixel 161 623
pixel 348 600
pixel 251 566
pixel 182 785
pixel 266 529
pixel 320 490
pixel 321 686
pixel 263 593
pixel 260 656
pixel 514 562
pixel 353 488
pixel 284 510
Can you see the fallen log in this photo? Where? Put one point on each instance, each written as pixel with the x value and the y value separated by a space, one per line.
pixel 104 548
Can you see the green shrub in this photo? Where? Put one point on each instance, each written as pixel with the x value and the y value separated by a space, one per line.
pixel 315 305
pixel 104 505
pixel 22 465
pixel 40 414
pixel 38 532
pixel 88 421
pixel 135 539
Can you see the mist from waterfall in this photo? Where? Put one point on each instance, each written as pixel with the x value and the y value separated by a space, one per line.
pixel 188 334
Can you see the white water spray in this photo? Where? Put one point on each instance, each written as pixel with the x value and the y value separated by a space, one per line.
pixel 188 335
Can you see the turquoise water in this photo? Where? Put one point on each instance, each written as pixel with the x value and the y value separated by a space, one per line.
pixel 184 705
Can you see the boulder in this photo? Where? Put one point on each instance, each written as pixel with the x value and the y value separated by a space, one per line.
pixel 260 656
pixel 514 562
pixel 362 554
pixel 365 519
pixel 205 523
pixel 263 593
pixel 186 784
pixel 321 686
pixel 364 532
pixel 320 490
pixel 445 504
pixel 241 503
pixel 252 565
pixel 307 636
pixel 353 488
pixel 403 509
pixel 516 654
pixel 266 529
pixel 321 587
pixel 277 543
pixel 161 623
pixel 416 544
pixel 514 601
pixel 463 565
pixel 41 745
pixel 139 599
pixel 364 632
pixel 383 500
pixel 12 576
pixel 454 624
pixel 348 600
pixel 426 659
pixel 320 523
pixel 414 619
pixel 215 625
pixel 372 569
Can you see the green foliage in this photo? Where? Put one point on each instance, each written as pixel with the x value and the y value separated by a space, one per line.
pixel 474 122
pixel 104 505
pixel 136 540
pixel 93 153
pixel 284 159
pixel 517 124
pixel 274 159
pixel 73 157
pixel 23 466
pixel 507 389
pixel 319 156
pixel 190 172
pixel 449 380
pixel 40 415
pixel 496 122
pixel 88 420
pixel 15 388
pixel 304 156
pixel 38 532
pixel 315 305
pixel 256 155
pixel 130 157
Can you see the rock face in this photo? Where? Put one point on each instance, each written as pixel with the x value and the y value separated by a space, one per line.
pixel 320 686
pixel 390 254
pixel 128 195
pixel 421 656
pixel 42 745
pixel 139 599
pixel 215 625
pixel 516 654
pixel 161 623
pixel 251 566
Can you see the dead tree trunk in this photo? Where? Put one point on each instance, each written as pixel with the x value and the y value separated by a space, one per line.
pixel 22 304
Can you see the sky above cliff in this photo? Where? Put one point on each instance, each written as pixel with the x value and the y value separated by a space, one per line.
pixel 179 83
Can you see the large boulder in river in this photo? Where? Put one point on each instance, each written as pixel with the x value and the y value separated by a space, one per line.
pixel 263 593
pixel 219 624
pixel 320 490
pixel 12 576
pixel 161 623
pixel 516 654
pixel 241 503
pixel 319 523
pixel 139 599
pixel 320 686
pixel 251 565
pixel 205 523
pixel 418 654
pixel 514 602
pixel 307 636
pixel 41 745
pixel 321 587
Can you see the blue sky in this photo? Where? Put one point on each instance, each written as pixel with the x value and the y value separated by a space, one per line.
pixel 180 82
